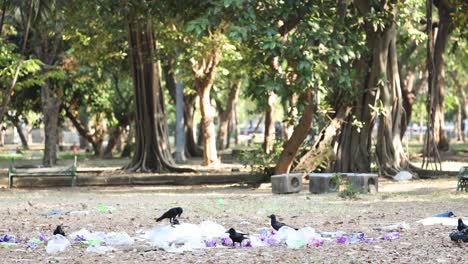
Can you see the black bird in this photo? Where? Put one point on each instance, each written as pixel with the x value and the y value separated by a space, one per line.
pixel 59 231
pixel 277 224
pixel 171 214
pixel 236 236
pixel 461 226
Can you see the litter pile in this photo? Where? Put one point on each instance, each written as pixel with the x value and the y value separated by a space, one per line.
pixel 180 237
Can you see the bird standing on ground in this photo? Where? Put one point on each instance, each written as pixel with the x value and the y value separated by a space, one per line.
pixel 171 214
pixel 59 231
pixel 277 224
pixel 236 236
pixel 461 226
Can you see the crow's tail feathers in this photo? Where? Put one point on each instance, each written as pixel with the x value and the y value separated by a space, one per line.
pixel 159 219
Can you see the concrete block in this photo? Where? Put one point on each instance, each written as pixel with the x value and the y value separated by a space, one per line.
pixel 364 182
pixel 322 183
pixel 286 183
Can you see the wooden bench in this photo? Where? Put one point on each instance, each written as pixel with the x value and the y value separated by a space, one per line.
pixel 42 172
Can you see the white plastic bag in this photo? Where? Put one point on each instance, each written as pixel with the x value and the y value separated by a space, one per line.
pixel 58 243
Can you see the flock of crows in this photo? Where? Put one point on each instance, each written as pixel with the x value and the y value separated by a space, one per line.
pixel 235 236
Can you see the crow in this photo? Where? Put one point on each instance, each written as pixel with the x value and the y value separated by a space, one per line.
pixel 461 226
pixel 59 231
pixel 277 224
pixel 171 214
pixel 236 236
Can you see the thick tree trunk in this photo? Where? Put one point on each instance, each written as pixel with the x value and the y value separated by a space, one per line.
pixel 191 147
pixel 352 146
pixel 24 140
pixel 269 133
pixel 445 27
pixel 321 148
pixel 50 108
pixel 210 156
pixel 390 154
pixel 152 150
pixel 225 116
pixel 115 135
pixel 14 120
pixel 180 132
pixel 176 91
pixel 96 139
pixel 205 72
pixel 421 124
pixel 377 79
pixel 408 97
pixel 292 116
pixel 301 131
pixel 236 129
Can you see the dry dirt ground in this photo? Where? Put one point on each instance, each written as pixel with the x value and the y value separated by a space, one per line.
pixel 245 209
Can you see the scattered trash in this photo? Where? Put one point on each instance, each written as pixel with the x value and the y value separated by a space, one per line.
pixel 356 237
pixel 391 236
pixel 54 212
pixel 332 234
pixel 58 243
pixel 120 238
pixel 394 227
pixel 403 176
pixel 105 209
pixel 226 241
pixel 446 214
pixel 315 243
pixel 189 236
pixel 78 213
pixel 447 221
pixel 6 244
pixel 33 243
pixel 8 238
pixel 341 240
pixel 98 249
pixel 210 243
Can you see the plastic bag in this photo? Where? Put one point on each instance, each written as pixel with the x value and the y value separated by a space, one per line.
pixel 58 243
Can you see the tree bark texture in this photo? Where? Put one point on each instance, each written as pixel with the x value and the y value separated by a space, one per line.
pixel 51 101
pixel 97 138
pixel 443 32
pixel 390 154
pixel 205 72
pixel 301 131
pixel 321 148
pixel 378 85
pixel 225 115
pixel 191 147
pixel 269 132
pixel 152 150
